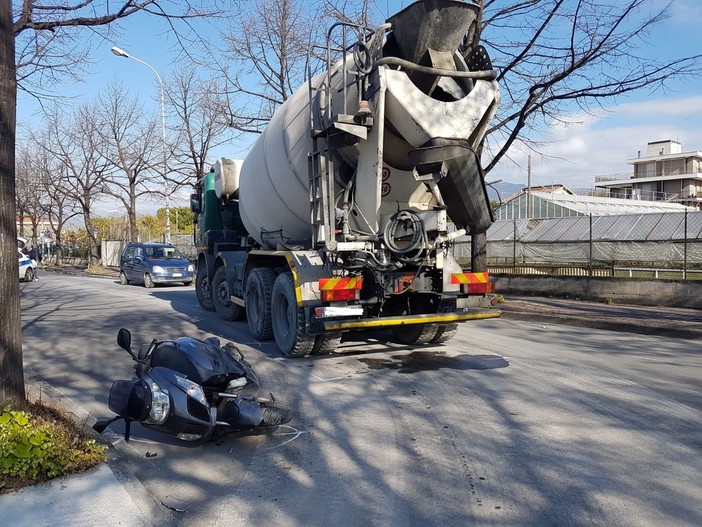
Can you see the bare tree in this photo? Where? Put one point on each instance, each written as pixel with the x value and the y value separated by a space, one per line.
pixel 30 196
pixel 267 47
pixel 45 37
pixel 555 57
pixel 52 45
pixel 351 11
pixel 198 107
pixel 11 372
pixel 132 148
pixel 77 145
pixel 58 206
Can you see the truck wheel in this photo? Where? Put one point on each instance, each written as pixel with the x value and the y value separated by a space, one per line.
pixel 203 289
pixel 259 287
pixel 445 333
pixel 326 344
pixel 226 309
pixel 415 333
pixel 289 320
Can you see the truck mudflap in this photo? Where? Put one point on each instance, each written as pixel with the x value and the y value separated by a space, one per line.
pixel 431 318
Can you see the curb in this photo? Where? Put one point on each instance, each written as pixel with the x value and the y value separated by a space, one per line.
pixel 72 271
pixel 606 324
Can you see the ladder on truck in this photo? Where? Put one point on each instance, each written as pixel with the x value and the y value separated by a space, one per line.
pixel 326 128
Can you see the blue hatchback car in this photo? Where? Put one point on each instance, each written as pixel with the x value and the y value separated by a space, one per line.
pixel 154 263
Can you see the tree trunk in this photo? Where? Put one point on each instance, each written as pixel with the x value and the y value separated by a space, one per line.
pixel 132 217
pixel 93 256
pixel 11 369
pixel 478 252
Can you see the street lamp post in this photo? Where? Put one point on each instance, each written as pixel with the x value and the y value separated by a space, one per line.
pixel 121 53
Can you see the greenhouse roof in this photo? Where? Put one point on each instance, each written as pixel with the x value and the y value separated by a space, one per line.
pixel 625 227
pixel 598 206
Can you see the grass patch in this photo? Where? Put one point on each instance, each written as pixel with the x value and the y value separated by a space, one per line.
pixel 97 269
pixel 40 444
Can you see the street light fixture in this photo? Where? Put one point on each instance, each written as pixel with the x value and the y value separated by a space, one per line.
pixel 121 53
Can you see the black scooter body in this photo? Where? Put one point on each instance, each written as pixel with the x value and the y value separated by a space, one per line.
pixel 190 389
pixel 200 361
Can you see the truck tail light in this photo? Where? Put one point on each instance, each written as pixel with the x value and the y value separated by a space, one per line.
pixel 340 289
pixel 481 288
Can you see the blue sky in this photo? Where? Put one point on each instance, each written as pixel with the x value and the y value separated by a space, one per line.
pixel 592 145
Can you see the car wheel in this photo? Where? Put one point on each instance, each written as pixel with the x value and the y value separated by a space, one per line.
pixel 29 275
pixel 148 281
pixel 123 278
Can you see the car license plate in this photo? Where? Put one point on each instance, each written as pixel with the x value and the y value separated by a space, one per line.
pixel 177 275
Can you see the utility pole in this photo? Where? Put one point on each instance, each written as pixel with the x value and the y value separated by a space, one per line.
pixel 528 207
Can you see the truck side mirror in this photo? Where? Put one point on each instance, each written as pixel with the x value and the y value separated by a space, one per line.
pixel 195 204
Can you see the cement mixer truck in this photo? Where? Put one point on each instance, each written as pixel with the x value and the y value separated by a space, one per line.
pixel 343 214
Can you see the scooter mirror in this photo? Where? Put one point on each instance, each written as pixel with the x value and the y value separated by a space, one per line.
pixel 124 340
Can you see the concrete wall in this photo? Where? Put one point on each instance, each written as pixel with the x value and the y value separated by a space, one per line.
pixel 110 252
pixel 675 293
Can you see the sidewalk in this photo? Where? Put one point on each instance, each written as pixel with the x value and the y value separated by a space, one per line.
pixel 645 320
pixel 95 498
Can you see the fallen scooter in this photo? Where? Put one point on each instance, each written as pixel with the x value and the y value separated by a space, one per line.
pixel 191 389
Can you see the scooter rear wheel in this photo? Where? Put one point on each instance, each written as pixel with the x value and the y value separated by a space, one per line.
pixel 274 416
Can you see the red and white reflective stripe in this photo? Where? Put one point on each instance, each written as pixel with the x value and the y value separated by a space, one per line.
pixel 470 278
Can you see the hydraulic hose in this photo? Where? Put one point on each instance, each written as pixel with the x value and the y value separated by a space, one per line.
pixel 396 61
pixel 418 241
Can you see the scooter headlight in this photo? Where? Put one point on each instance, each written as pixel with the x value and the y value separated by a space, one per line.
pixel 193 390
pixel 160 404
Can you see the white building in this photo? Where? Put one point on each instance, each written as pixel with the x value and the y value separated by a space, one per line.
pixel 665 173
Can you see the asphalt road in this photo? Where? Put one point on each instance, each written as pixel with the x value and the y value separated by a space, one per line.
pixel 511 423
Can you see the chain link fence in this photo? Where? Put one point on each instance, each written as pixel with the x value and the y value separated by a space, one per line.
pixel 651 245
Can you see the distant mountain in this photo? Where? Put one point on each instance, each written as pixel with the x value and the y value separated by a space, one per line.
pixel 506 190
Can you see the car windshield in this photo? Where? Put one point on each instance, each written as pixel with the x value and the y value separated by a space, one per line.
pixel 164 253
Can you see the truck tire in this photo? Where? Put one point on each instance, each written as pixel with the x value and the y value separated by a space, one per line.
pixel 226 309
pixel 203 289
pixel 259 288
pixel 415 333
pixel 445 333
pixel 326 344
pixel 289 320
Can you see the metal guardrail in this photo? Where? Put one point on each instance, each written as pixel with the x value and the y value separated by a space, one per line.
pixel 550 270
pixel 613 271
